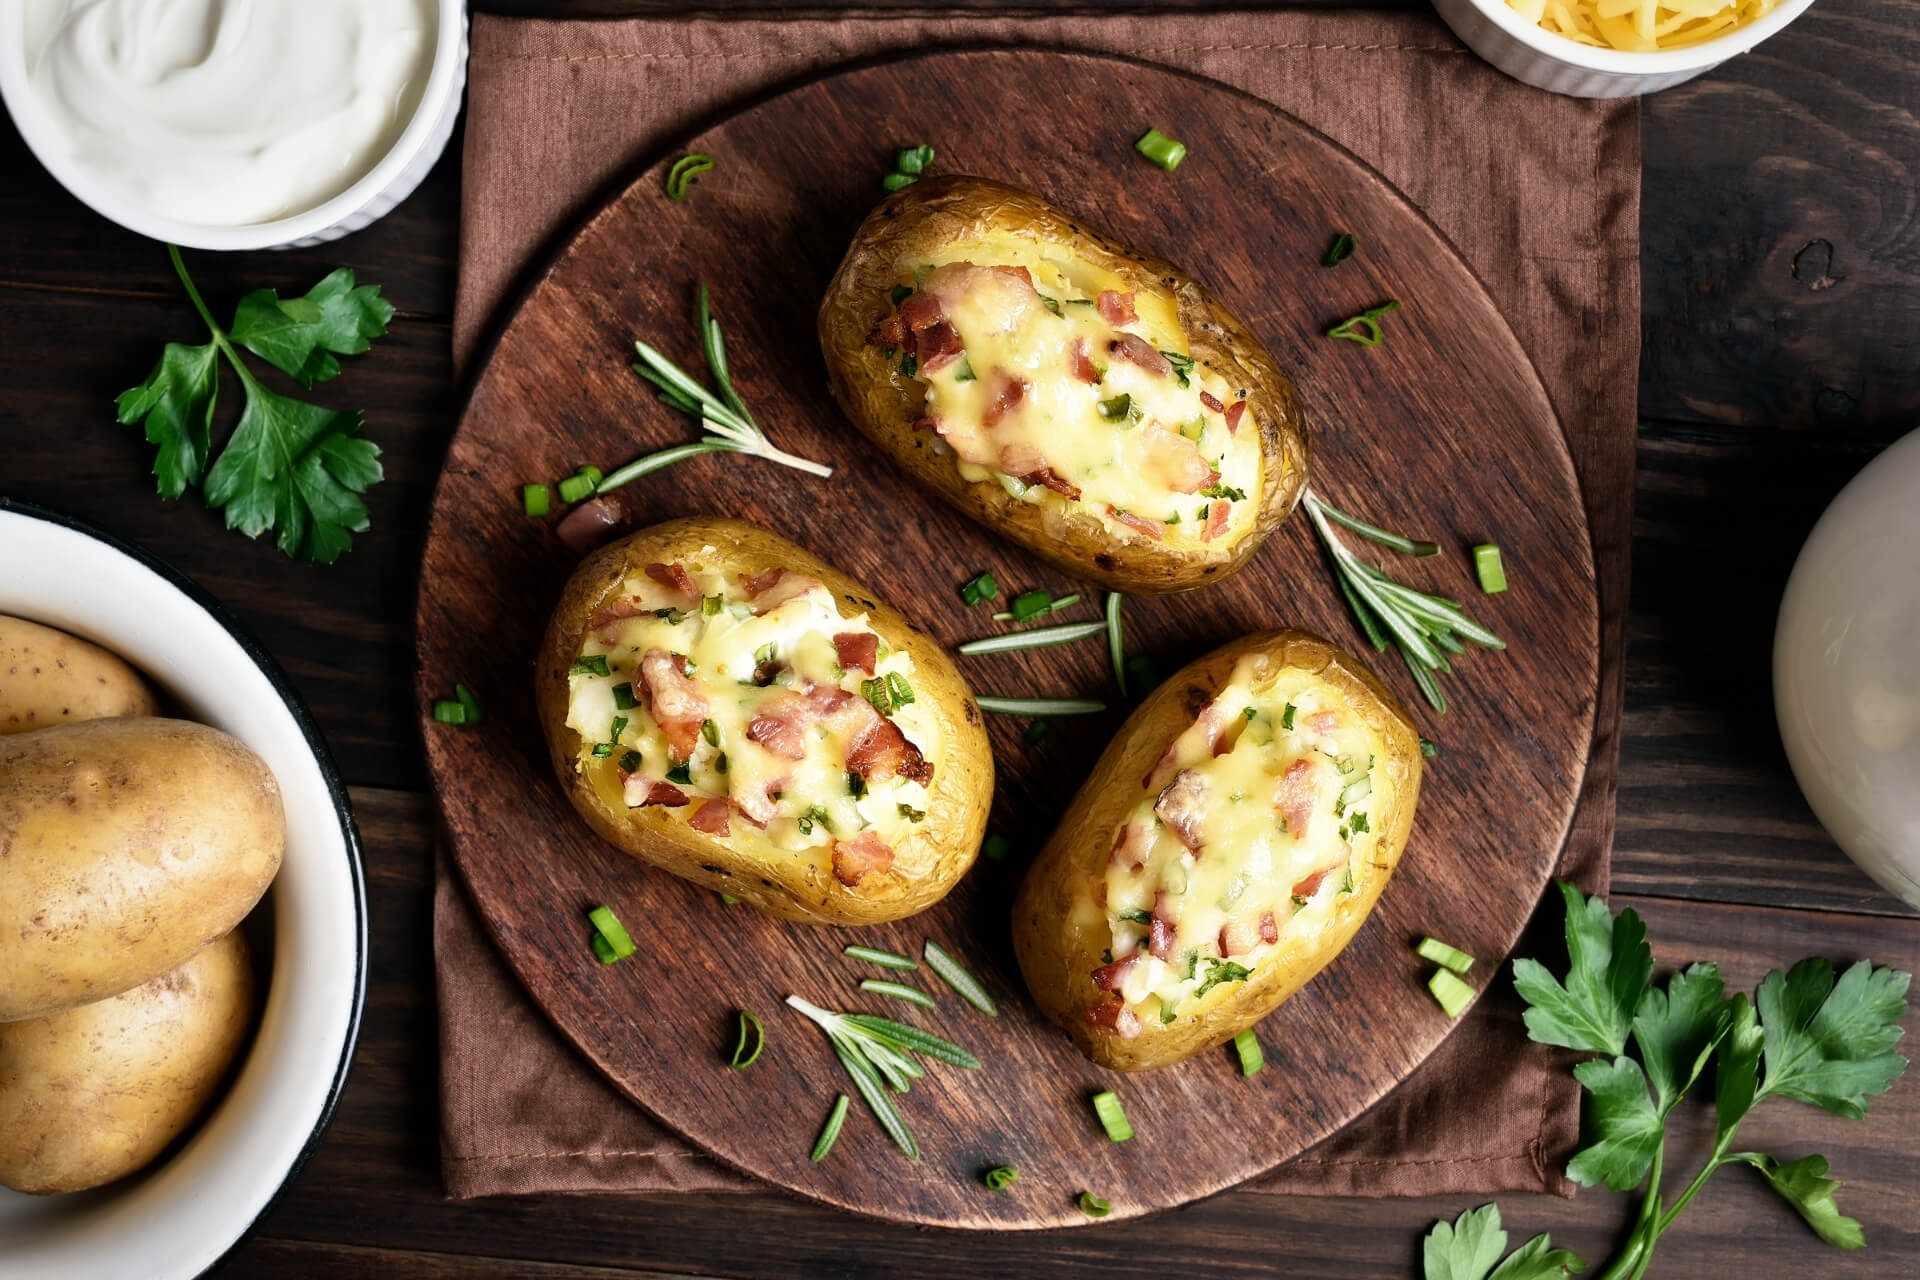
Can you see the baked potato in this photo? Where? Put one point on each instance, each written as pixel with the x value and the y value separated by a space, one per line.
pixel 1228 844
pixel 129 845
pixel 91 1095
pixel 729 708
pixel 1090 402
pixel 48 676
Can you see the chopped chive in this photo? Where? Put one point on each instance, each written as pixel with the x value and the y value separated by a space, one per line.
pixel 534 499
pixel 612 930
pixel 1038 638
pixel 1429 748
pixel 899 294
pixel 913 161
pixel 447 711
pixel 898 689
pixel 908 812
pixel 996 847
pixel 1116 643
pixel 710 732
pixel 963 983
pixel 1446 956
pixel 1365 327
pixel 980 587
pixel 895 181
pixel 1286 716
pixel 963 372
pixel 885 959
pixel 728 899
pixel 630 762
pixel 710 606
pixel 1093 1206
pixel 592 665
pixel 685 172
pixel 1340 250
pixel 899 991
pixel 1041 706
pixel 1113 1117
pixel 468 701
pixel 1029 605
pixel 1052 606
pixel 603 950
pixel 1246 1046
pixel 1452 994
pixel 1037 733
pixel 576 487
pixel 1162 150
pixel 618 727
pixel 748 1041
pixel 875 691
pixel 999 1179
pixel 830 1131
pixel 623 699
pixel 601 750
pixel 1117 409
pixel 1487 566
pixel 681 773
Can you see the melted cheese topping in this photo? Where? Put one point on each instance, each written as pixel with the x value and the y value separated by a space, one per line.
pixel 1136 441
pixel 1248 831
pixel 744 665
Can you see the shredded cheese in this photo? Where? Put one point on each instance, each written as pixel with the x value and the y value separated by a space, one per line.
pixel 1641 26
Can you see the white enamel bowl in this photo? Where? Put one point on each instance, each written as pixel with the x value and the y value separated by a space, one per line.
pixel 176 1218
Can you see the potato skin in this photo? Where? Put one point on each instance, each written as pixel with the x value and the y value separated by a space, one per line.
pixel 48 677
pixel 130 844
pixel 916 221
pixel 925 867
pixel 93 1094
pixel 1057 955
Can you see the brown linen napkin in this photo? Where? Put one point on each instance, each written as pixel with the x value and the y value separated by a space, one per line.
pixel 1540 194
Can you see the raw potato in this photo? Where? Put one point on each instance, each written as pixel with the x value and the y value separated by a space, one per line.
pixel 798 885
pixel 996 224
pixel 93 1094
pixel 1060 934
pixel 130 844
pixel 48 676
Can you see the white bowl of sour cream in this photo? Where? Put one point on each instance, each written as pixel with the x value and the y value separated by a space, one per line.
pixel 235 124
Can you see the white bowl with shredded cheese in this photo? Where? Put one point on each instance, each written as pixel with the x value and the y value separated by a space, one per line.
pixel 1613 48
pixel 235 124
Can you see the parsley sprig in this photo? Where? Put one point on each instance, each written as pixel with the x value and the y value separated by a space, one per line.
pixel 1807 1034
pixel 290 466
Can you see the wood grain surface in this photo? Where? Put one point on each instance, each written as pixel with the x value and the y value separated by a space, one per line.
pixel 556 391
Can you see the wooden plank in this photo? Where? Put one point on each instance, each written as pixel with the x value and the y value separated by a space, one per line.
pixel 301 1259
pixel 375 1181
pixel 1780 241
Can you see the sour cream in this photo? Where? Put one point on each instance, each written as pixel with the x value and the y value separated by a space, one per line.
pixel 229 112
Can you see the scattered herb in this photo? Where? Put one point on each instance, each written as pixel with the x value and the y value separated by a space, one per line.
pixel 449 711
pixel 1038 638
pixel 1040 706
pixel 1139 915
pixel 1113 1117
pixel 579 485
pixel 1469 1246
pixel 749 1039
pixel 1224 491
pixel 630 762
pixel 964 984
pixel 1429 748
pixel 910 813
pixel 1182 367
pixel 1093 1206
pixel 1029 605
pixel 1447 957
pixel 1219 971
pixel 728 899
pixel 1488 569
pixel 877 1054
pixel 1118 409
pixel 996 848
pixel 534 500
pixel 1000 1178
pixel 980 587
pixel 685 172
pixel 1340 250
pixel 1116 640
pixel 830 1131
pixel 885 959
pixel 1246 1047
pixel 608 929
pixel 592 665
pixel 908 164
pixel 899 991
pixel 1162 150
pixel 1452 995
pixel 1365 327
pixel 1036 733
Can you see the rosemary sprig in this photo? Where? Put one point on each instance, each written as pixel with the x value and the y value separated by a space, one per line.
pixel 1422 627
pixel 1038 638
pixel 1041 706
pixel 725 416
pixel 1116 641
pixel 878 1055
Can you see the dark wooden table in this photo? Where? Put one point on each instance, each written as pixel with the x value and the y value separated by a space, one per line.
pixel 1781 350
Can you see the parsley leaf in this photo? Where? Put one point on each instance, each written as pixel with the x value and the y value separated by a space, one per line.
pixel 301 336
pixel 1609 965
pixel 1831 1044
pixel 1219 971
pixel 175 407
pixel 1676 1030
pixel 297 469
pixel 1804 1185
pixel 1626 1130
pixel 1737 1079
pixel 1468 1247
pixel 1537 1259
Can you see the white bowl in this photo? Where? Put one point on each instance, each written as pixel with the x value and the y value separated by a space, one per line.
pixel 1529 53
pixel 385 185
pixel 1846 669
pixel 176 1218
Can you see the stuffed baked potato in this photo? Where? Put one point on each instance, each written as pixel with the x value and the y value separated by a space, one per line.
pixel 726 706
pixel 1228 844
pixel 1090 402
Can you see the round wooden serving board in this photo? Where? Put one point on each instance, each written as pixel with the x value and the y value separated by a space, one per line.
pixel 1443 431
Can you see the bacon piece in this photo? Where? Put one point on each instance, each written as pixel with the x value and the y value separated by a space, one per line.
pixel 921 310
pixel 590 524
pixel 780 723
pixel 890 333
pixel 1216 520
pixel 678 582
pixel 1131 845
pixel 1236 939
pixel 1208 399
pixel 1323 721
pixel 1109 977
pixel 712 817
pixel 881 751
pixel 853 859
pixel 1311 885
pixel 638 791
pixel 936 346
pixel 758 808
pixel 1161 933
pixel 1152 528
pixel 1024 463
pixel 619 610
pixel 1182 804
pixel 1112 1014
pixel 1116 308
pixel 1083 366
pixel 1177 460
pixel 1004 394
pixel 1294 796
pixel 1234 415
pixel 773 588
pixel 1269 928
pixel 1021 274
pixel 1135 349
pixel 673 700
pixel 857 650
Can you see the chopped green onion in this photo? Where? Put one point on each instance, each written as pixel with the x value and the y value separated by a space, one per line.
pixel 996 847
pixel 1029 605
pixel 1341 249
pixel 1093 1206
pixel 899 991
pixel 1365 327
pixel 1113 1117
pixel 913 161
pixel 1162 150
pixel 1039 638
pixel 910 813
pixel 603 950
pixel 630 762
pixel 1446 956
pixel 612 930
pixel 1486 564
pixel 710 606
pixel 1116 642
pixel 898 689
pixel 980 587
pixel 750 1039
pixel 448 711
pixel 601 750
pixel 578 486
pixel 899 294
pixel 681 773
pixel 830 1131
pixel 729 900
pixel 875 691
pixel 685 171
pixel 885 959
pixel 623 699
pixel 1429 748
pixel 1041 706
pixel 468 701
pixel 895 181
pixel 1037 733
pixel 1286 716
pixel 1452 994
pixel 1246 1046
pixel 1117 409
pixel 534 500
pixel 710 732
pixel 1053 606
pixel 1182 366
pixel 963 983
pixel 591 665
pixel 999 1179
